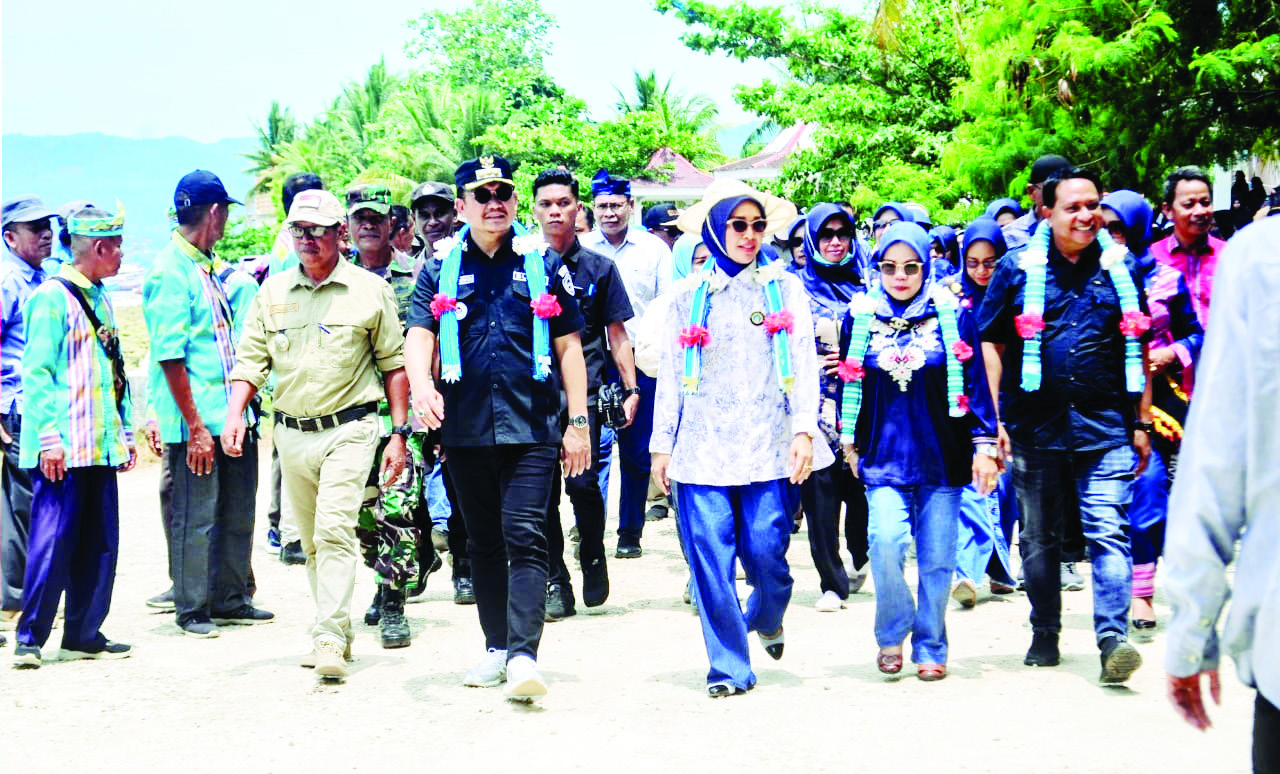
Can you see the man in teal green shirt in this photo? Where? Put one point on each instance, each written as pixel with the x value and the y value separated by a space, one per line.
pixel 192 327
pixel 77 435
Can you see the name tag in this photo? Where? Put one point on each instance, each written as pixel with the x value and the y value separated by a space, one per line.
pixel 283 308
pixel 518 276
pixel 467 279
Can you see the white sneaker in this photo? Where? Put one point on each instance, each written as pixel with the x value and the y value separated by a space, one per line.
pixel 523 681
pixel 829 602
pixel 490 672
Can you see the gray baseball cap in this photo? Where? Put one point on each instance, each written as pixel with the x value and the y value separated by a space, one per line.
pixel 24 209
pixel 431 189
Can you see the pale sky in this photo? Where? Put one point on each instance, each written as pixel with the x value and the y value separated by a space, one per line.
pixel 156 68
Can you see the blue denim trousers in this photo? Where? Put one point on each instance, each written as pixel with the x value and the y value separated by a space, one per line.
pixel 634 460
pixel 981 545
pixel 718 525
pixel 438 505
pixel 1101 483
pixel 930 515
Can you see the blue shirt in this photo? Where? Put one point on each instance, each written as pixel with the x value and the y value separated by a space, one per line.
pixel 1082 403
pixel 18 280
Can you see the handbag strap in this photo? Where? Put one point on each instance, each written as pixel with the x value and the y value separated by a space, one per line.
pixel 117 361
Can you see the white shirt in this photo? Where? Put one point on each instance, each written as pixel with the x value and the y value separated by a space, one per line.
pixel 643 260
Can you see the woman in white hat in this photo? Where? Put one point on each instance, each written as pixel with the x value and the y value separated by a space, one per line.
pixel 734 422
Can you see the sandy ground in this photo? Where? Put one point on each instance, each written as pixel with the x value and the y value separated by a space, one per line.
pixel 626 689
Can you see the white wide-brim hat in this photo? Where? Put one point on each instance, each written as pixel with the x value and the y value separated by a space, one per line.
pixel 778 212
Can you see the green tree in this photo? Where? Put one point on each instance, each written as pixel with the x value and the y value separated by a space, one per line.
pixel 242 240
pixel 696 112
pixel 279 128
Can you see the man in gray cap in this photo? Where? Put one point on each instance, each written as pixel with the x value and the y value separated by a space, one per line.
pixel 433 218
pixel 28 239
pixel 1018 233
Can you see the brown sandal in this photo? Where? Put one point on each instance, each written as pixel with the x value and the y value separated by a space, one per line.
pixel 931 672
pixel 889 663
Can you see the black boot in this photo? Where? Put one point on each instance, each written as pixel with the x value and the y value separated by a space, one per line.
pixel 1044 649
pixel 425 568
pixel 463 592
pixel 595 582
pixel 395 629
pixel 374 613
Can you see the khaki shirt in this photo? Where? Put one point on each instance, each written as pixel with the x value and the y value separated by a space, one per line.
pixel 326 343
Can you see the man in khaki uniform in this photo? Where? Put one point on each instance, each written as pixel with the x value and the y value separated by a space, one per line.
pixel 330 332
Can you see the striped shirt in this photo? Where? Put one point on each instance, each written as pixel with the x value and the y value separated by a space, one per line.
pixel 68 381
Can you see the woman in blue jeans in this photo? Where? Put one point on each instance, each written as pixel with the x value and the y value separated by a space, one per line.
pixel 917 422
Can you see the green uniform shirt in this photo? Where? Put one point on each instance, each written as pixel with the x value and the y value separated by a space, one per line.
pixel 68 381
pixel 326 343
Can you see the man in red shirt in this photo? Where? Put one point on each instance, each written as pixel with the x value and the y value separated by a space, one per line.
pixel 1188 202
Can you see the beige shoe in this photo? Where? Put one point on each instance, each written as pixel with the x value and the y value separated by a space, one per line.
pixel 330 663
pixel 965 593
pixel 9 620
pixel 308 661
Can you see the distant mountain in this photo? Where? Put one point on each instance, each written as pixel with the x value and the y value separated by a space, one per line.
pixel 140 173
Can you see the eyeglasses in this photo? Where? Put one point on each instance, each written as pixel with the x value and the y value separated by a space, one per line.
pixel 843 234
pixel 315 232
pixel 741 225
pixel 38 226
pixel 502 193
pixel 1115 227
pixel 879 224
pixel 611 206
pixel 988 265
pixel 889 268
pixel 794 243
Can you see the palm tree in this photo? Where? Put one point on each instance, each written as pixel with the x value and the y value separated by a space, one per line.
pixel 695 113
pixel 280 128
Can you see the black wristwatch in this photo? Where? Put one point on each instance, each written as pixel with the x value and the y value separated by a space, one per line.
pixel 404 431
pixel 628 393
pixel 579 421
pixel 1146 427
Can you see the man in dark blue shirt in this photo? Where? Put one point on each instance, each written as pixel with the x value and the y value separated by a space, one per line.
pixel 605 307
pixel 502 311
pixel 1074 437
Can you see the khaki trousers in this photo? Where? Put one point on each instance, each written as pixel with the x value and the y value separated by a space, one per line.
pixel 324 474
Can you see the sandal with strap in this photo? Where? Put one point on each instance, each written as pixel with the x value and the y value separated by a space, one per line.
pixel 931 672
pixel 889 663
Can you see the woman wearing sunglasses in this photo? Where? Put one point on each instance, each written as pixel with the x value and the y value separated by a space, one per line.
pixel 1175 347
pixel 734 423
pixel 986 521
pixel 917 421
pixel 832 276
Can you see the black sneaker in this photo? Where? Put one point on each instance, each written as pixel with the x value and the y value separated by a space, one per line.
pixel 1119 660
pixel 1044 650
pixel 628 548
pixel 595 583
pixel 199 626
pixel 104 650
pixel 394 629
pixel 292 553
pixel 245 615
pixel 463 592
pixel 374 614
pixel 425 569
pixel 559 602
pixel 656 513
pixel 26 657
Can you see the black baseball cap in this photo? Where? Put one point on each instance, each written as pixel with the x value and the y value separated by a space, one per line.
pixel 482 171
pixel 200 187
pixel 660 215
pixel 1045 166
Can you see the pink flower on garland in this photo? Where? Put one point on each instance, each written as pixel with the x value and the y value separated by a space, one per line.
pixel 695 336
pixel 1028 325
pixel 779 321
pixel 962 351
pixel 441 303
pixel 967 303
pixel 1134 324
pixel 546 306
pixel 850 371
pixel 963 403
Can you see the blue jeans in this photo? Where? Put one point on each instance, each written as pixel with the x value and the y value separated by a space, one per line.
pixel 437 499
pixel 601 467
pixel 1101 482
pixel 1149 510
pixel 718 525
pixel 633 455
pixel 931 515
pixel 981 546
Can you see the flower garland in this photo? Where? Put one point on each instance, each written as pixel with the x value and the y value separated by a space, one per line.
pixel 1030 324
pixel 444 305
pixel 779 323
pixel 851 371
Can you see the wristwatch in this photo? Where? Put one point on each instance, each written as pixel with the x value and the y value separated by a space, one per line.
pixel 988 450
pixel 404 431
pixel 579 421
pixel 628 393
pixel 1146 427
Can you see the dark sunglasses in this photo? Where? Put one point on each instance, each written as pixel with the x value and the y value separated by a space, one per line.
pixel 889 268
pixel 741 225
pixel 843 234
pixel 879 224
pixel 315 232
pixel 794 243
pixel 988 265
pixel 502 193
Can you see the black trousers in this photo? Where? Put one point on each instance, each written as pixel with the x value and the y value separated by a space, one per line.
pixel 1266 736
pixel 457 527
pixel 588 510
pixel 822 494
pixel 15 516
pixel 505 539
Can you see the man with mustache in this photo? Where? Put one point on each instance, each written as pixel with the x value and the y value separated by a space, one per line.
pixel 1191 249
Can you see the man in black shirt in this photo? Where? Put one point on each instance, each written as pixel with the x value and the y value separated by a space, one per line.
pixel 503 313
pixel 1074 435
pixel 605 307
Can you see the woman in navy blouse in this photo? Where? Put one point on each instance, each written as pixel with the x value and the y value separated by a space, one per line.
pixel 923 425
